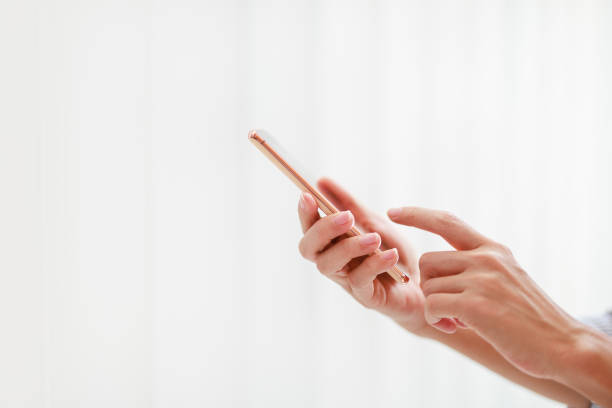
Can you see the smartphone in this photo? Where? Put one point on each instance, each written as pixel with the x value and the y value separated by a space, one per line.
pixel 271 149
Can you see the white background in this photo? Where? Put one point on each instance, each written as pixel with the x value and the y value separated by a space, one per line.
pixel 148 253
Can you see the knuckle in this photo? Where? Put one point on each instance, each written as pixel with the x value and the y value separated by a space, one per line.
pixel 475 304
pixel 322 266
pixel 502 249
pixel 425 263
pixel 448 218
pixel 303 249
pixel 351 246
pixel 520 272
pixel 408 214
pixel 427 287
pixel 333 231
pixel 487 257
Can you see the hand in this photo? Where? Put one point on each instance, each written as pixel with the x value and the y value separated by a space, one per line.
pixel 350 262
pixel 483 286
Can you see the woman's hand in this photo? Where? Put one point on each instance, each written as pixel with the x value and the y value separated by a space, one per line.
pixel 484 288
pixel 350 262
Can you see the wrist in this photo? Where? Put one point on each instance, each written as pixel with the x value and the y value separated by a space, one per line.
pixel 585 364
pixel 425 330
pixel 569 352
pixel 575 353
pixel 419 330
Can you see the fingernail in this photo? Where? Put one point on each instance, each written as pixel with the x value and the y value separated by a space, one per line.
pixel 394 212
pixel 390 254
pixel 343 218
pixel 369 239
pixel 302 201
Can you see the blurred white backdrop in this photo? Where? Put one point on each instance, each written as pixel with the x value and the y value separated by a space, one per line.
pixel 148 253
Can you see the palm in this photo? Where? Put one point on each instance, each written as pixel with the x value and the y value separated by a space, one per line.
pixel 404 303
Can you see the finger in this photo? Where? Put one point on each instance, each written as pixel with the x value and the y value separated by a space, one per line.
pixel 323 231
pixel 370 221
pixel 452 229
pixel 307 211
pixel 360 279
pixel 446 284
pixel 442 263
pixel 442 305
pixel 337 256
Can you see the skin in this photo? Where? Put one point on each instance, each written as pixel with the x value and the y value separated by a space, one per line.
pixel 476 299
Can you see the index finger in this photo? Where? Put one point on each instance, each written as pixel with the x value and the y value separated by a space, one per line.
pixel 452 229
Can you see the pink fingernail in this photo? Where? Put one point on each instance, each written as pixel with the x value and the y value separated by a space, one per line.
pixel 369 239
pixel 342 218
pixel 302 201
pixel 390 254
pixel 394 212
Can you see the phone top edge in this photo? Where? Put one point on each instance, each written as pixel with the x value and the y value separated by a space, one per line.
pixel 254 136
pixel 264 145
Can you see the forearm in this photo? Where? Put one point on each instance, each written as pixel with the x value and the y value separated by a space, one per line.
pixel 586 366
pixel 474 347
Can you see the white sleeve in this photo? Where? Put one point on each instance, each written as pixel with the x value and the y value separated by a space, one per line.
pixel 602 323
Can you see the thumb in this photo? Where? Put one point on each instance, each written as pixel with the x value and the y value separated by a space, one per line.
pixel 341 198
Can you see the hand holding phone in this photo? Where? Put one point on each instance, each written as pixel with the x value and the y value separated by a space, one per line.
pixel 393 294
pixel 258 138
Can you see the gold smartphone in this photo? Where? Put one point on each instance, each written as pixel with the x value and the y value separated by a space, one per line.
pixel 261 140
